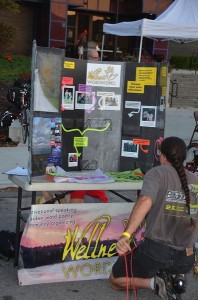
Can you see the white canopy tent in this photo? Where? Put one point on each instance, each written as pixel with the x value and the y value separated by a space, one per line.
pixel 179 23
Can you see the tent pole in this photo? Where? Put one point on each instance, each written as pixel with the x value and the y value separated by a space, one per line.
pixel 140 50
pixel 103 39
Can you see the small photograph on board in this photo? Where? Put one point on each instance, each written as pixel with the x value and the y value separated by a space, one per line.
pixel 72 160
pixel 41 137
pixel 110 103
pixel 68 93
pixel 129 149
pixel 148 116
pixel 84 100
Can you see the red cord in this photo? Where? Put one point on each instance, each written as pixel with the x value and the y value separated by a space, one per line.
pixel 127 275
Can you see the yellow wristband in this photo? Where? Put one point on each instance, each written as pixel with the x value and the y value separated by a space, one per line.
pixel 125 233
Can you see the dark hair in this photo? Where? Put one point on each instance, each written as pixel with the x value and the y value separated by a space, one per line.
pixel 174 149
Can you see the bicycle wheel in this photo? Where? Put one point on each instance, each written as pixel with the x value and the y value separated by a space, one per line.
pixel 24 124
pixel 191 162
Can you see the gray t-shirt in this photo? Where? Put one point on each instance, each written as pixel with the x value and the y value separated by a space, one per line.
pixel 167 222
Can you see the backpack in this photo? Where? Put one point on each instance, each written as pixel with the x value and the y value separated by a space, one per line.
pixel 7 244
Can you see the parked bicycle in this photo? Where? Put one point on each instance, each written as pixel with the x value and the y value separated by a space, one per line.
pixel 19 96
pixel 192 149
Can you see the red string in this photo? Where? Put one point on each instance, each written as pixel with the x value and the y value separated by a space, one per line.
pixel 127 275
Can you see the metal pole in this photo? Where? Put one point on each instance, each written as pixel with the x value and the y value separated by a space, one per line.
pixel 115 39
pixel 140 50
pixel 103 39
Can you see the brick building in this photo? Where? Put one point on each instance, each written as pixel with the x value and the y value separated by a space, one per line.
pixel 58 23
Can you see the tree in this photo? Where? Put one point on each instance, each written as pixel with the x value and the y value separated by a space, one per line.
pixel 8 32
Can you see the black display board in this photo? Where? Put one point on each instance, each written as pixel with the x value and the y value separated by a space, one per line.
pixel 92 124
pixel 108 115
pixel 143 119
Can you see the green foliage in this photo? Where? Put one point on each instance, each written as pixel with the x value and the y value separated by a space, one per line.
pixel 181 62
pixel 10 5
pixel 18 67
pixel 7 33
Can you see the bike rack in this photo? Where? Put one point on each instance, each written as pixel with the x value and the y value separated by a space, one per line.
pixel 174 90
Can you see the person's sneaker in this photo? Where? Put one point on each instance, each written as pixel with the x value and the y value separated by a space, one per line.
pixel 160 288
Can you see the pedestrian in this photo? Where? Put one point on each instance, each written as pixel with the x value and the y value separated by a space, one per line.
pixel 82 43
pixel 170 210
pixel 92 54
pixel 92 196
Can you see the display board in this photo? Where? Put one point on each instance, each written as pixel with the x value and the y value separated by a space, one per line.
pixel 143 118
pixel 92 114
pixel 92 122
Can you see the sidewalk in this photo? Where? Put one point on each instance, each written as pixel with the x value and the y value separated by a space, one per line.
pixel 179 122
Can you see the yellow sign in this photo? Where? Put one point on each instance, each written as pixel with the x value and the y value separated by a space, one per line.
pixel 81 141
pixel 163 76
pixel 135 87
pixel 164 71
pixel 163 91
pixel 69 65
pixel 147 75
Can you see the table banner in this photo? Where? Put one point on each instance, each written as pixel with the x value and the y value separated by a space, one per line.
pixel 70 242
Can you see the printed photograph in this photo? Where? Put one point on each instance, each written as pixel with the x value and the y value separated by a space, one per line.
pixel 72 160
pixel 148 116
pixel 84 100
pixel 110 103
pixel 68 93
pixel 129 149
pixel 41 137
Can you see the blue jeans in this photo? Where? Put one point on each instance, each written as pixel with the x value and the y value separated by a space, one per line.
pixel 150 257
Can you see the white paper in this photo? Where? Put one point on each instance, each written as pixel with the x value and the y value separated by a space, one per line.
pixel 17 171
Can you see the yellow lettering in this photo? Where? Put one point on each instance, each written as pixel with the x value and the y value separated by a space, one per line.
pixel 87 269
pixel 70 270
pixel 81 248
pixel 168 207
pixel 174 208
pixel 80 252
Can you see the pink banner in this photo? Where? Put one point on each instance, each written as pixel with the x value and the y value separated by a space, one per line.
pixel 68 242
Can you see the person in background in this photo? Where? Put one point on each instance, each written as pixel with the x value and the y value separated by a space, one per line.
pixel 77 197
pixel 167 204
pixel 92 54
pixel 82 43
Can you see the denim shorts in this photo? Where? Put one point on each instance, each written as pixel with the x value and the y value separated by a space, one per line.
pixel 150 257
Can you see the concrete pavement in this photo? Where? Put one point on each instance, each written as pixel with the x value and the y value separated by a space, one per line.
pixel 179 122
pixel 78 290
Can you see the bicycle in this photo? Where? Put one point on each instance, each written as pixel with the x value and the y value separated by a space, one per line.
pixel 192 149
pixel 25 115
pixel 19 95
pixel 192 157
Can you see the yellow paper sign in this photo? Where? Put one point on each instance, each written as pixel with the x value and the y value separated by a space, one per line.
pixel 163 91
pixel 135 87
pixel 164 71
pixel 69 65
pixel 147 75
pixel 81 141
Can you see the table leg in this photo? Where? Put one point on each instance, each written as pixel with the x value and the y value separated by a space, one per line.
pixel 33 197
pixel 18 223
